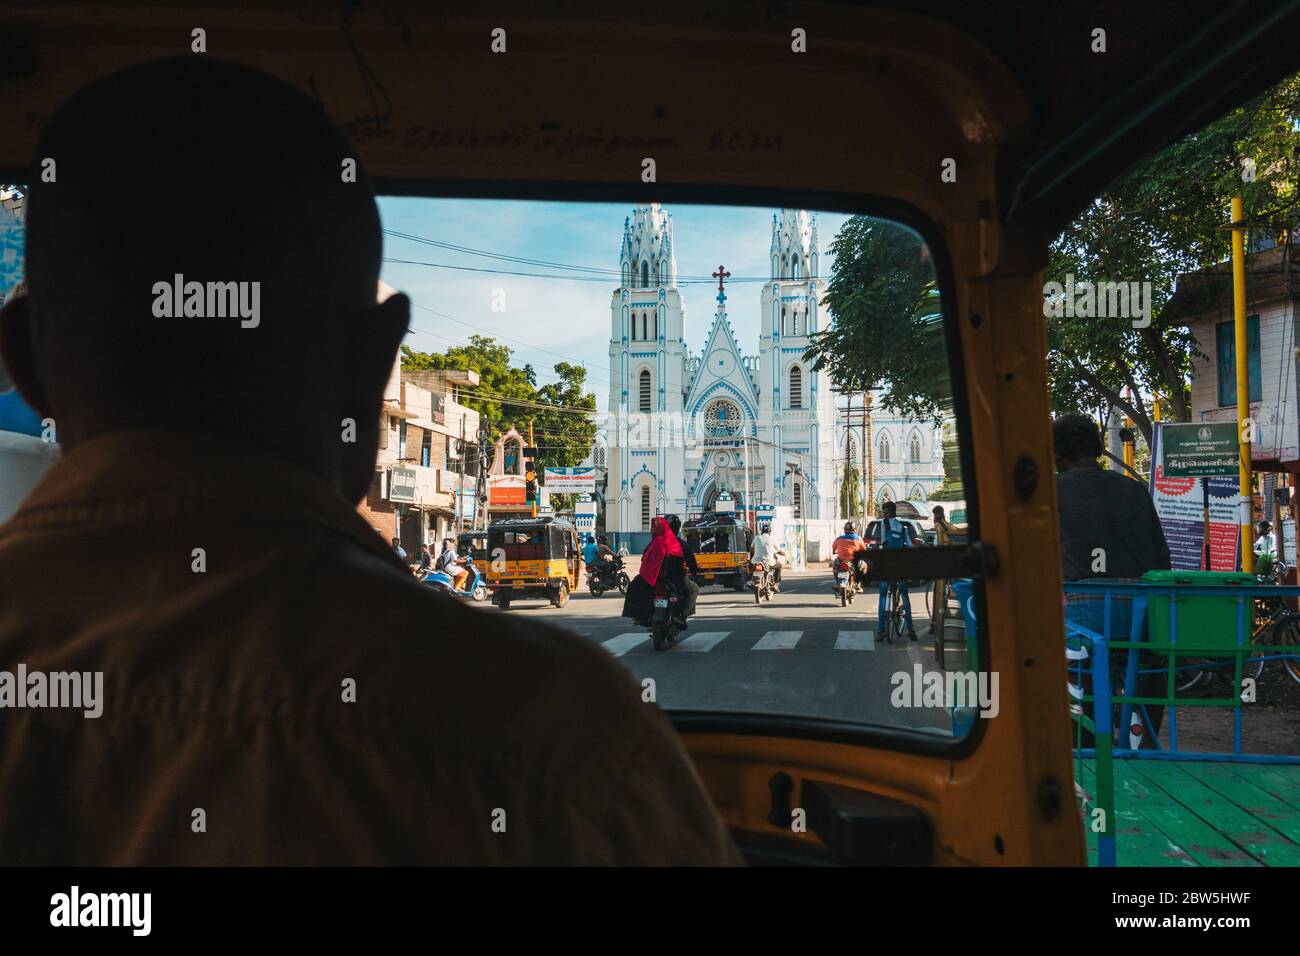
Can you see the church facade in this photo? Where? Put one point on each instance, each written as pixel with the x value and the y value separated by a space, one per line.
pixel 687 427
pixel 906 454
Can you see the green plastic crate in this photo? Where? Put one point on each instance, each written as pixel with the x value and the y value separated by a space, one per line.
pixel 1208 621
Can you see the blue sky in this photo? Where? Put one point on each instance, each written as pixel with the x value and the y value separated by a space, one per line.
pixel 548 320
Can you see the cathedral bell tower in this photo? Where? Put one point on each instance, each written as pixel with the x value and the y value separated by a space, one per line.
pixel 647 359
pixel 792 394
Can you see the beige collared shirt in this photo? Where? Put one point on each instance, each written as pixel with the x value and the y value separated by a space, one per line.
pixel 227 733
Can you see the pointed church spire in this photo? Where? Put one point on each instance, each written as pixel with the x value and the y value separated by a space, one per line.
pixel 647 259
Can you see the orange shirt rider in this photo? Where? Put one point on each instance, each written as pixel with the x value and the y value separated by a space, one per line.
pixel 848 545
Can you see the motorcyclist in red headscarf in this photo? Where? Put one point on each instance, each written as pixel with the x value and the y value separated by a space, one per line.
pixel 662 557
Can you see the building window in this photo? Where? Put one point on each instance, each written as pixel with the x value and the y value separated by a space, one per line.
pixel 783 321
pixel 645 390
pixel 645 274
pixel 914 450
pixel 645 507
pixel 798 500
pixel 796 387
pixel 1226 351
pixel 426 449
pixel 884 448
pixel 795 322
pixel 401 439
pixel 794 267
pixel 656 324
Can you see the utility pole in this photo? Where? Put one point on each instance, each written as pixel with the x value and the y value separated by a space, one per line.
pixel 532 444
pixel 481 484
pixel 1243 385
pixel 868 459
pixel 460 477
pixel 748 505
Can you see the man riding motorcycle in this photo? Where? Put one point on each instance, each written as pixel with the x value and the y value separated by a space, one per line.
pixel 594 551
pixel 847 547
pixel 604 567
pixel 891 532
pixel 764 551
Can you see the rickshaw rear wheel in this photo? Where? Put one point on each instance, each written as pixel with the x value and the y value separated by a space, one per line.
pixel 561 595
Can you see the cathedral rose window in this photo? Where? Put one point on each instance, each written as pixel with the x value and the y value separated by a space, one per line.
pixel 722 418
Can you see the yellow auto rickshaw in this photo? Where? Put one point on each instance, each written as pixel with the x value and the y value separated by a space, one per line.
pixel 721 544
pixel 532 558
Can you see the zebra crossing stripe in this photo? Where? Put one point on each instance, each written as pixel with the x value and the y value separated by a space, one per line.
pixel 704 641
pixel 618 646
pixel 855 641
pixel 778 641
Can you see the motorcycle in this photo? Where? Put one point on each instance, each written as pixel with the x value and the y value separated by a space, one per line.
pixel 475 585
pixel 664 623
pixel 845 585
pixel 605 576
pixel 764 582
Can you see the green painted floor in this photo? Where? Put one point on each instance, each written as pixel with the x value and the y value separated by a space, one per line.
pixel 1196 813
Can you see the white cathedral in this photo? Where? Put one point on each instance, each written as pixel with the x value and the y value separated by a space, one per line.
pixel 687 427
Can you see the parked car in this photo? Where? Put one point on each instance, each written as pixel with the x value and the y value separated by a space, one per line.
pixel 919 533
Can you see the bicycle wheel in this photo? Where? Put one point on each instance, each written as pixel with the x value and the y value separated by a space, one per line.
pixel 1189 680
pixel 1287 632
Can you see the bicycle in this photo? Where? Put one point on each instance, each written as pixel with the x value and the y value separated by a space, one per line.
pixel 893 618
pixel 1272 623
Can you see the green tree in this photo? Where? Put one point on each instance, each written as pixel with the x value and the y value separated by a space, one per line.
pixel 497 378
pixel 564 426
pixel 565 434
pixel 951 489
pixel 1165 216
pixel 850 491
pixel 886 328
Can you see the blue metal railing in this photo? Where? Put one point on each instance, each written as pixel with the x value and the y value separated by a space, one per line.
pixel 1098 645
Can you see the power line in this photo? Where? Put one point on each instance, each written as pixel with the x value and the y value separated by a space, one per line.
pixel 595 271
pixel 570 278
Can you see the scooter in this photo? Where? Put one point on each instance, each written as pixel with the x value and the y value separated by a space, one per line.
pixel 846 588
pixel 475 585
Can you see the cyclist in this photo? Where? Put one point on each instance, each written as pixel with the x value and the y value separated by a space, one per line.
pixel 891 532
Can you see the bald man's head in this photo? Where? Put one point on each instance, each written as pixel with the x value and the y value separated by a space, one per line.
pixel 163 199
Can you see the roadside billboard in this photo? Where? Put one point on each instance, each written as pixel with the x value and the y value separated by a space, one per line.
pixel 570 481
pixel 1181 501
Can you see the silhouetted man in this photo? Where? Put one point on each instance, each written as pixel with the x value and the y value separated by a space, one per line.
pixel 202 326
pixel 1109 529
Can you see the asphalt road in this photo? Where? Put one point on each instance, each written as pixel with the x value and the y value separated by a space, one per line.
pixel 799 654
